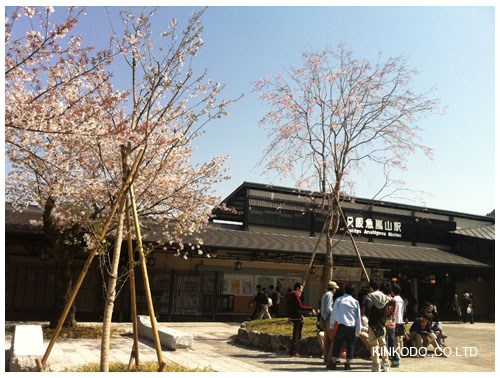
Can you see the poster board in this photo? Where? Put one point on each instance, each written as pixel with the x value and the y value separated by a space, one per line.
pixel 265 281
pixel 238 284
pixel 285 283
pixel 244 284
pixel 346 273
pixel 247 286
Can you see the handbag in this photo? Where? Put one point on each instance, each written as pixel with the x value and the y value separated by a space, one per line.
pixel 469 310
pixel 378 330
pixel 400 329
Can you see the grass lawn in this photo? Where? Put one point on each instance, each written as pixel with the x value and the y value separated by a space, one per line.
pixel 149 366
pixel 282 326
pixel 78 332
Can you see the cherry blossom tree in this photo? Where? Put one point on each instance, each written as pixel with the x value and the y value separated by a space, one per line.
pixel 71 138
pixel 169 106
pixel 57 95
pixel 332 116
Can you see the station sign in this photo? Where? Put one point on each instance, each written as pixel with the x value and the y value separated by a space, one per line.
pixel 378 227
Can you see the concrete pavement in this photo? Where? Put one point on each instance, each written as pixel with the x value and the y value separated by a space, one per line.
pixel 212 347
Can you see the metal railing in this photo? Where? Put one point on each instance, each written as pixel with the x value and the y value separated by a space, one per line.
pixel 30 293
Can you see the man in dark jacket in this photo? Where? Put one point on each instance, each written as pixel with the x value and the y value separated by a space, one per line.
pixel 296 314
pixel 421 335
pixel 262 301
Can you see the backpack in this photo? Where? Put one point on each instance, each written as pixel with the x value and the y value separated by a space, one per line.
pixel 389 314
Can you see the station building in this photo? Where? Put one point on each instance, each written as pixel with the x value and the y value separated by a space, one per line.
pixel 267 238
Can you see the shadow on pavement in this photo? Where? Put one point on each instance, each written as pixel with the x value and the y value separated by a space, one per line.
pixel 7 356
pixel 148 342
pixel 320 367
pixel 200 338
pixel 254 355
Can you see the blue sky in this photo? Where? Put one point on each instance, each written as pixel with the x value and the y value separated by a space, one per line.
pixel 452 47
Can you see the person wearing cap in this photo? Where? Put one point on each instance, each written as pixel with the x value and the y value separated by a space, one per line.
pixel 325 312
pixel 346 313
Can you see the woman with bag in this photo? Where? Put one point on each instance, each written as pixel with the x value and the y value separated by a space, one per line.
pixel 468 309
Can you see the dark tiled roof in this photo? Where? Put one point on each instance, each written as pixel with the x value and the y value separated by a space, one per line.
pixel 16 221
pixel 481 232
pixel 273 242
pixel 227 239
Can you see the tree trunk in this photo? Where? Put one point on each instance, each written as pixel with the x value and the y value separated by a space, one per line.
pixel 64 256
pixel 111 293
pixel 64 275
pixel 333 225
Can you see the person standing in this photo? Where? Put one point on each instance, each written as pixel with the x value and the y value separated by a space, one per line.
pixel 277 303
pixel 400 330
pixel 375 308
pixel 347 314
pixel 325 312
pixel 468 309
pixel 254 300
pixel 263 303
pixel 390 323
pixel 272 295
pixel 456 308
pixel 296 314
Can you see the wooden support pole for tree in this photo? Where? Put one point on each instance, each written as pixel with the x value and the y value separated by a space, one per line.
pixel 41 363
pixel 134 355
pixel 314 251
pixel 147 289
pixel 353 242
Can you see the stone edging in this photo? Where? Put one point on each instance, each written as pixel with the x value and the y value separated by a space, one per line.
pixel 276 343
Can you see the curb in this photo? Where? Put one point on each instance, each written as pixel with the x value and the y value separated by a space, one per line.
pixel 276 343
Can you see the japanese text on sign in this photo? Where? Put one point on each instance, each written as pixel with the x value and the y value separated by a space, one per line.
pixel 374 227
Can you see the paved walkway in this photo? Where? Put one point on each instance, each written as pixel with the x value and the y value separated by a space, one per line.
pixel 212 347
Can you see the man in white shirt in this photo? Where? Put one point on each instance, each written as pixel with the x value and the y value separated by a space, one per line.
pixel 346 312
pixel 400 325
pixel 325 311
